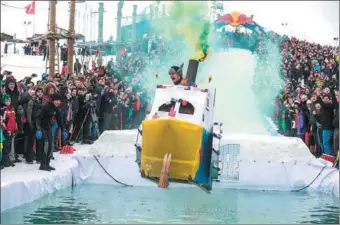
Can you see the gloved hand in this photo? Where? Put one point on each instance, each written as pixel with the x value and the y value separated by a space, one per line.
pixel 65 135
pixel 38 134
pixel 55 125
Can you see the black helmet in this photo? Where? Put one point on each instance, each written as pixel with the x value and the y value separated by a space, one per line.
pixel 176 69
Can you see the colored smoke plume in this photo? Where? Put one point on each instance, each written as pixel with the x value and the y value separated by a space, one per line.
pixel 187 21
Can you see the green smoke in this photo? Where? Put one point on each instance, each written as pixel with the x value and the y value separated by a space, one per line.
pixel 187 22
pixel 185 28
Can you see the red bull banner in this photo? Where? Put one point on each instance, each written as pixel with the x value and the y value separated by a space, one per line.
pixel 235 19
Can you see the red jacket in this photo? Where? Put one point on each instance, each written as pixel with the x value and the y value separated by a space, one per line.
pixel 123 51
pixel 64 70
pixel 10 123
pixel 137 105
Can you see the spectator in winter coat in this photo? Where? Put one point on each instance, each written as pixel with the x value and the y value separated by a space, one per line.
pixel 50 89
pixel 300 126
pixel 10 129
pixel 12 90
pixel 77 67
pixel 48 116
pixel 108 105
pixel 64 69
pixel 335 123
pixel 325 118
pixel 33 110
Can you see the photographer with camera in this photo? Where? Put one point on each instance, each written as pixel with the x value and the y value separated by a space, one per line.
pixel 89 113
pixel 108 106
pixel 79 116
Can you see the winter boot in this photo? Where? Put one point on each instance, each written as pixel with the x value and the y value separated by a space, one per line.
pixel 6 161
pixel 17 160
pixel 44 158
pixel 48 165
pixel 2 164
pixel 87 142
pixel 9 163
pixel 43 163
pixel 44 167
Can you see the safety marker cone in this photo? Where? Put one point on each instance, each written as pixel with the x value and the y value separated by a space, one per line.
pixel 67 149
pixel 328 158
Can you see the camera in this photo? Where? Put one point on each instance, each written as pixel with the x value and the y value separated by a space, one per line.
pixel 89 101
pixel 90 104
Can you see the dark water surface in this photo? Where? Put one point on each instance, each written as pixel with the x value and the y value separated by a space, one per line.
pixel 109 204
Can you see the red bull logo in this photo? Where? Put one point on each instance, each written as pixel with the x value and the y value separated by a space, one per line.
pixel 235 19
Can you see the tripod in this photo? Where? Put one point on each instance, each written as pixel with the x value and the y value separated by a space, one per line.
pixel 94 119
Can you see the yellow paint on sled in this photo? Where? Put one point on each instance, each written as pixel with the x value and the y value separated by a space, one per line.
pixel 179 138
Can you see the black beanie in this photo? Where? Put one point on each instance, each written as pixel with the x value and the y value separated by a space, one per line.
pixel 39 89
pixel 177 70
pixel 56 96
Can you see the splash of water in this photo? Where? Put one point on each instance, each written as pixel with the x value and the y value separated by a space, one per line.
pixel 267 80
pixel 240 105
pixel 235 104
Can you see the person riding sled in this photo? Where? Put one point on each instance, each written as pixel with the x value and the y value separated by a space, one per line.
pixel 176 75
pixel 176 72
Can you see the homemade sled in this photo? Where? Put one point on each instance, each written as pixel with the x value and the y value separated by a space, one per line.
pixel 180 127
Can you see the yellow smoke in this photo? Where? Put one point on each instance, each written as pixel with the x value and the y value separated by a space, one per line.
pixel 187 19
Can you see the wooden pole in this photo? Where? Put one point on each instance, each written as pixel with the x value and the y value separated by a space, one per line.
pixel 134 27
pixel 71 36
pixel 33 24
pixel 84 22
pixel 52 32
pixel 119 24
pixel 91 23
pixel 100 22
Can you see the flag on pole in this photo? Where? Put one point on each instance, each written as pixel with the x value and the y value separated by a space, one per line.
pixel 30 9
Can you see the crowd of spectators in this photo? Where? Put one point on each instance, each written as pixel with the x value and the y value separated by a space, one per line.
pixel 308 105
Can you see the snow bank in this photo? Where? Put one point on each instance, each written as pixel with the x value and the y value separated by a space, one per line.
pixel 26 183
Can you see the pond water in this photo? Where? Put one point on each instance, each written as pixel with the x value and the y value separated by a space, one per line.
pixel 110 204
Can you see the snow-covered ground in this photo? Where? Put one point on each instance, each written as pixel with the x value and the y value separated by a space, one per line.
pixel 24 65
